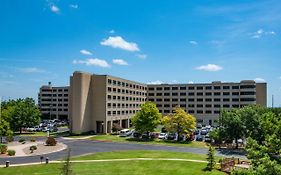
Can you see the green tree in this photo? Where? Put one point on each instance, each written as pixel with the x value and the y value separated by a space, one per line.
pixel 218 135
pixel 211 159
pixel 232 125
pixel 4 129
pixel 179 122
pixel 21 113
pixel 147 119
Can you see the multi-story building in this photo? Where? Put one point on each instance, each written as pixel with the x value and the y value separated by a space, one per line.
pixel 205 101
pixel 53 101
pixel 98 101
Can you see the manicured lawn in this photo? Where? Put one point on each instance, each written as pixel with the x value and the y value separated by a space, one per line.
pixel 33 134
pixel 117 168
pixel 141 154
pixel 116 138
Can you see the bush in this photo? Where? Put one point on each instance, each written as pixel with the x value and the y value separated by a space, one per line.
pixel 51 141
pixel 3 148
pixel 9 138
pixel 11 152
pixel 32 140
pixel 21 140
pixel 32 148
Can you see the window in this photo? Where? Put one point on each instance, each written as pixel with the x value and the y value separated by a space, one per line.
pixel 174 94
pixel 174 99
pixel 166 94
pixel 226 99
pixel 208 105
pixel 182 99
pixel 166 105
pixel 191 111
pixel 158 94
pixel 151 88
pixel 200 99
pixel 247 99
pixel 199 88
pixel 174 88
pixel 208 87
pixel 159 105
pixel 247 93
pixel 217 105
pixel 208 112
pixel 217 99
pixel 208 99
pixel 235 105
pixel 226 87
pixel 235 93
pixel 226 106
pixel 150 94
pixel 208 93
pixel 159 88
pixel 217 93
pixel 182 88
pixel 166 88
pixel 182 94
pixel 199 94
pixel 247 86
pixel 235 87
pixel 217 87
pixel 199 106
pixel 166 111
pixel 183 105
pixel 166 99
pixel 191 99
pixel 158 99
pixel 191 105
pixel 226 93
pixel 235 99
pixel 199 111
pixel 191 88
pixel 191 93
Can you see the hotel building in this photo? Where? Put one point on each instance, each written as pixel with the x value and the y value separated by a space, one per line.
pixel 98 101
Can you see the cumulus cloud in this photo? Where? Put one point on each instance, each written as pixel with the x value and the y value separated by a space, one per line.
pixel 259 33
pixel 74 6
pixel 260 80
pixel 210 67
pixel 54 8
pixel 193 42
pixel 120 62
pixel 31 70
pixel 92 62
pixel 141 56
pixel 85 52
pixel 156 82
pixel 190 82
pixel 120 43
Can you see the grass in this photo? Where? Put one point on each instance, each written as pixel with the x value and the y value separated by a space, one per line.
pixel 116 138
pixel 132 167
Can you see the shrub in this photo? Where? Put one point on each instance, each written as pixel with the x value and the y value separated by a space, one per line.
pixel 32 148
pixel 116 127
pixel 3 148
pixel 11 152
pixel 51 141
pixel 32 140
pixel 21 140
pixel 10 138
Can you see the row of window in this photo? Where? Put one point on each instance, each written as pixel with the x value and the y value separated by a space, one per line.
pixel 202 99
pixel 123 91
pixel 192 111
pixel 51 105
pixel 122 112
pixel 54 109
pixel 201 93
pixel 124 84
pixel 122 105
pixel 200 87
pixel 197 106
pixel 54 90
pixel 54 95
pixel 54 99
pixel 123 98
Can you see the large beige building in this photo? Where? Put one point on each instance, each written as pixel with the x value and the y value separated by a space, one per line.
pixel 205 101
pixel 53 101
pixel 98 101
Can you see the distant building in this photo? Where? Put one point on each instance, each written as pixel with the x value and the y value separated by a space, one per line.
pixel 98 101
pixel 205 100
pixel 53 101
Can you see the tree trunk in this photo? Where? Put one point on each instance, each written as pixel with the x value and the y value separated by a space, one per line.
pixel 20 130
pixel 236 141
pixel 1 140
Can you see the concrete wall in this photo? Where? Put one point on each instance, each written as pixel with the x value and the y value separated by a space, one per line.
pixel 261 90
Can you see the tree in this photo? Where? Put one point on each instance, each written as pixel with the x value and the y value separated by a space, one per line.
pixel 218 135
pixel 211 159
pixel 147 119
pixel 232 125
pixel 21 113
pixel 179 122
pixel 66 168
pixel 4 129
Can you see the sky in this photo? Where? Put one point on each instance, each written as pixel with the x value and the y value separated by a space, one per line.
pixel 150 41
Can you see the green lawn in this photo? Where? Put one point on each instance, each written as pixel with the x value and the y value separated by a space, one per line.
pixel 116 138
pixel 132 167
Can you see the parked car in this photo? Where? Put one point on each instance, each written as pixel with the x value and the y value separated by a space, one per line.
pixel 162 135
pixel 171 136
pixel 125 133
pixel 208 139
pixel 203 132
pixel 31 129
pixel 136 134
pixel 199 138
pixel 38 128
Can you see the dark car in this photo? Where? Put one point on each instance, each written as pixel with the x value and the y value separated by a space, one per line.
pixel 171 136
pixel 199 138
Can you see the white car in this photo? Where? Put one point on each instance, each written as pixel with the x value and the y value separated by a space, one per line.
pixel 31 129
pixel 162 136
pixel 125 133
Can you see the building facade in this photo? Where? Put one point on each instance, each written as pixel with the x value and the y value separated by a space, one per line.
pixel 205 101
pixel 53 101
pixel 98 101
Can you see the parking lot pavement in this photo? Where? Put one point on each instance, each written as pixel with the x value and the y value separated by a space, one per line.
pixel 81 147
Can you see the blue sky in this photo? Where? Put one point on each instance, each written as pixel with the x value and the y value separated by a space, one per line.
pixel 148 41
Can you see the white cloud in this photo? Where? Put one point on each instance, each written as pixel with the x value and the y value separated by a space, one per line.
pixel 112 31
pixel 120 62
pixel 260 80
pixel 31 70
pixel 74 6
pixel 259 33
pixel 85 52
pixel 156 82
pixel 280 77
pixel 190 82
pixel 193 42
pixel 54 8
pixel 210 67
pixel 141 56
pixel 92 62
pixel 119 42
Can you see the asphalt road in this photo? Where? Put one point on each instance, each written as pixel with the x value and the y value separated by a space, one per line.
pixel 81 147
